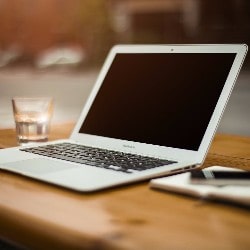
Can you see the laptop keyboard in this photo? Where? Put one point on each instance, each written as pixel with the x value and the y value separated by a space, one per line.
pixel 108 159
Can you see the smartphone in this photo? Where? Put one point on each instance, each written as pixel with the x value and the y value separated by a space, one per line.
pixel 213 177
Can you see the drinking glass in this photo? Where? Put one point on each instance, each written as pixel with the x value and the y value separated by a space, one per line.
pixel 32 117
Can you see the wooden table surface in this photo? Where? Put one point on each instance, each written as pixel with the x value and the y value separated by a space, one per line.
pixel 43 216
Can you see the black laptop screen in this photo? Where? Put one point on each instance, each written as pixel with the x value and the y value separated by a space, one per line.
pixel 161 99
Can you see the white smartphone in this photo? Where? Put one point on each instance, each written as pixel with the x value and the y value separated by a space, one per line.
pixel 214 177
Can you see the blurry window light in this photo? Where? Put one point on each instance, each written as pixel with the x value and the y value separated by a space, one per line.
pixel 60 56
pixel 121 19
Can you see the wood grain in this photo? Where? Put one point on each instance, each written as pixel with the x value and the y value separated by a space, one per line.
pixel 41 216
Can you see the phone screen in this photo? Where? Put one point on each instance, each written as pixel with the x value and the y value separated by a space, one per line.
pixel 220 177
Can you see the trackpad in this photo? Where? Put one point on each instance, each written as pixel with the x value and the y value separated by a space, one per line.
pixel 37 166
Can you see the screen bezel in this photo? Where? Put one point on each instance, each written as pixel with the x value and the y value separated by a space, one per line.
pixel 161 151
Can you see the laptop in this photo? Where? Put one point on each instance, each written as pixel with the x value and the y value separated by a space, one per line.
pixel 153 111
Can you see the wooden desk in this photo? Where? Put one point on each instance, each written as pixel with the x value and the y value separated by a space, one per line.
pixel 43 216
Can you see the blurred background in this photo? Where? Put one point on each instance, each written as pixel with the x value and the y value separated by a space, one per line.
pixel 56 47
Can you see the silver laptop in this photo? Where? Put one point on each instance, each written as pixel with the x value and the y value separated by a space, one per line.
pixel 153 111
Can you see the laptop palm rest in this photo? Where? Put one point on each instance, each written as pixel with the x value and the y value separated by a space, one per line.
pixel 57 172
pixel 38 166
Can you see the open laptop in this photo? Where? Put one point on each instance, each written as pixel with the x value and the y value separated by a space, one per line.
pixel 153 111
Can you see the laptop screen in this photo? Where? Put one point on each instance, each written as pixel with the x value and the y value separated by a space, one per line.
pixel 159 98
